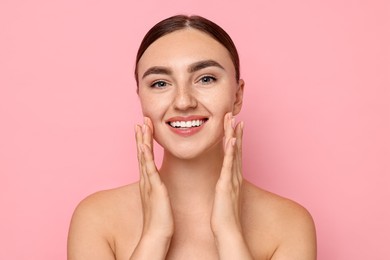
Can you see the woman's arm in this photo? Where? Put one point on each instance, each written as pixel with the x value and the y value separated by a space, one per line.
pixel 158 224
pixel 225 218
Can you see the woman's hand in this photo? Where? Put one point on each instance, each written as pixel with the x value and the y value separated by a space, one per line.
pixel 225 217
pixel 158 225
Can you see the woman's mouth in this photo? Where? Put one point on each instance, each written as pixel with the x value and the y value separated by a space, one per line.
pixel 187 124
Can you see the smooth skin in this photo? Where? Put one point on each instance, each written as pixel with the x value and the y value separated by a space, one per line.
pixel 197 205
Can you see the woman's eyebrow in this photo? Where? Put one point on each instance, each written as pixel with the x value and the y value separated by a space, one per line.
pixel 204 64
pixel 157 70
pixel 192 68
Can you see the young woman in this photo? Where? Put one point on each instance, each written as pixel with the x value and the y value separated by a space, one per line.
pixel 197 205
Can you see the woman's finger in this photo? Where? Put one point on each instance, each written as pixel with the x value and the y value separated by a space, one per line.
pixel 228 127
pixel 138 139
pixel 238 133
pixel 148 133
pixel 227 165
pixel 150 166
pixel 238 156
pixel 144 180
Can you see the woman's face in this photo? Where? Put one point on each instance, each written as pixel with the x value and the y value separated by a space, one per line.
pixel 186 86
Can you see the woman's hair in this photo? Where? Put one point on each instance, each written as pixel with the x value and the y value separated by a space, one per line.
pixel 179 22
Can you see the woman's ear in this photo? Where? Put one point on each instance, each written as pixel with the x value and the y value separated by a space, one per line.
pixel 238 97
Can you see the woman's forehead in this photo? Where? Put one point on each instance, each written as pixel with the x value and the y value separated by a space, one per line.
pixel 184 47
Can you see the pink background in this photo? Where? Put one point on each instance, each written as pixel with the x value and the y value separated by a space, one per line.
pixel 316 110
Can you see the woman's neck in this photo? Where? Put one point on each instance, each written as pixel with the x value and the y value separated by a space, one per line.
pixel 191 182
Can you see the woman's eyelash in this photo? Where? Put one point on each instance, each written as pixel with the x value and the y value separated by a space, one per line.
pixel 159 84
pixel 207 79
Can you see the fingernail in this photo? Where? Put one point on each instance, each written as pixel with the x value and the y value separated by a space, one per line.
pixel 233 122
pixel 143 128
pixel 242 125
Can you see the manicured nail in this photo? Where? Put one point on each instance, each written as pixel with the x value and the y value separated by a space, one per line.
pixel 143 128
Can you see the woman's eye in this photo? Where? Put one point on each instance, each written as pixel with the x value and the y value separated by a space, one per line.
pixel 207 79
pixel 159 84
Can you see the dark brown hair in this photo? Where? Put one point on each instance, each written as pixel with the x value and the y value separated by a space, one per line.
pixel 179 22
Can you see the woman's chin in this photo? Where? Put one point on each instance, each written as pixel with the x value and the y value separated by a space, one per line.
pixel 192 152
pixel 184 154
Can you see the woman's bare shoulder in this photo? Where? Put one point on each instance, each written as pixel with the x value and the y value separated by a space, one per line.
pixel 276 205
pixel 111 198
pixel 106 206
pixel 106 202
pixel 100 218
pixel 289 223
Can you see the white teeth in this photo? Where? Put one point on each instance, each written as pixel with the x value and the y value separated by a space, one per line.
pixel 186 124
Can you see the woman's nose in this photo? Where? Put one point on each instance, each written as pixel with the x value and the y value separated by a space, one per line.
pixel 184 98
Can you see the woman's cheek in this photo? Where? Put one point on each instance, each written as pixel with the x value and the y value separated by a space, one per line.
pixel 154 108
pixel 224 103
pixel 149 106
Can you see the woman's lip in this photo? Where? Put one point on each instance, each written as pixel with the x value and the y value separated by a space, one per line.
pixel 187 131
pixel 186 118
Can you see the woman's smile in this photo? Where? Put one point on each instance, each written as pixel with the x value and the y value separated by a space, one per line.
pixel 186 126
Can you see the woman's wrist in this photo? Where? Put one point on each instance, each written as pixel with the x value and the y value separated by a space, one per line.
pixel 228 237
pixel 232 245
pixel 160 246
